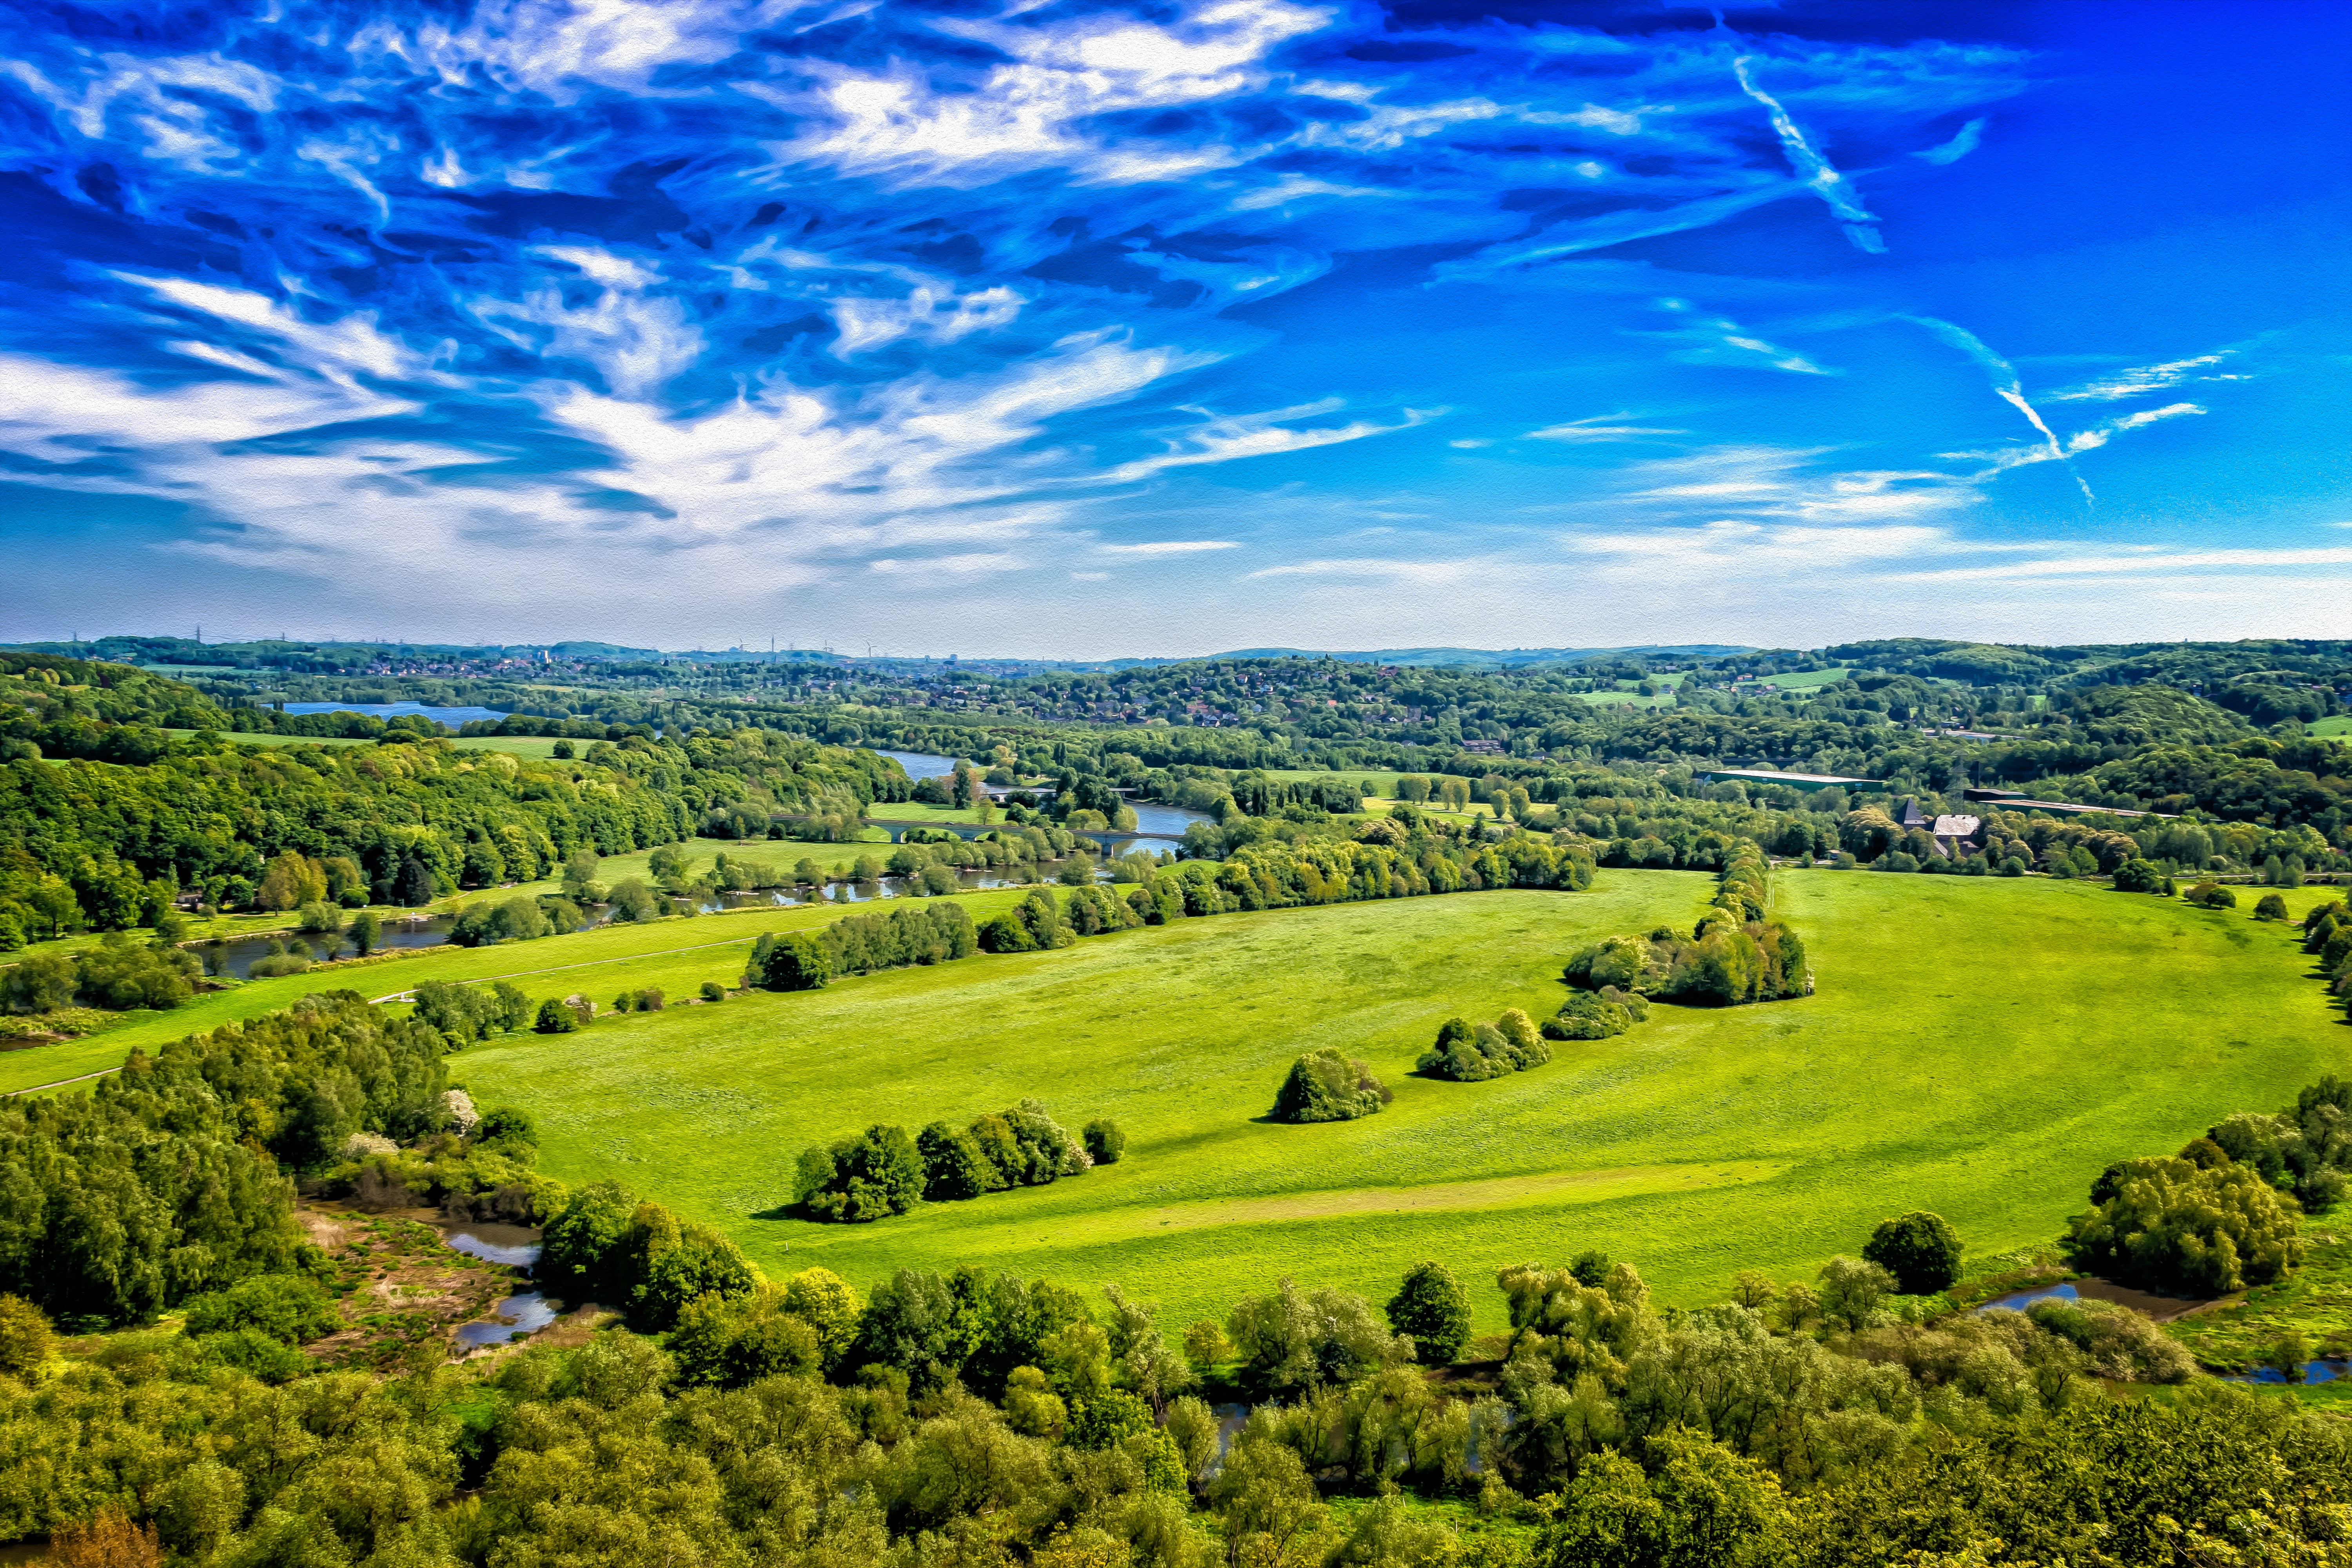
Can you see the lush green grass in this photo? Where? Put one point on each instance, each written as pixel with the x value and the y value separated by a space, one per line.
pixel 2341 724
pixel 677 954
pixel 1805 680
pixel 1980 1047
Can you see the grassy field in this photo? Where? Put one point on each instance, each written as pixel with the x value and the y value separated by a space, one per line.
pixel 1805 680
pixel 1978 1046
pixel 2341 724
pixel 677 954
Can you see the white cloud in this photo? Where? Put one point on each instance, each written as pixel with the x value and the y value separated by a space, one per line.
pixel 1963 143
pixel 2088 440
pixel 1171 547
pixel 1226 439
pixel 1431 572
pixel 2148 379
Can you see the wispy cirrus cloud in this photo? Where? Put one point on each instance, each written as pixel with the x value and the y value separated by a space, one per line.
pixel 2148 380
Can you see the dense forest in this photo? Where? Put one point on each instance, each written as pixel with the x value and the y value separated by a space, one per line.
pixel 128 792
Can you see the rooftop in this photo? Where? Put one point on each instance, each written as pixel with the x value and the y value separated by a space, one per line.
pixel 1800 780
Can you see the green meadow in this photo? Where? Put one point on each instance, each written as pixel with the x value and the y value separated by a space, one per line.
pixel 675 954
pixel 1978 1047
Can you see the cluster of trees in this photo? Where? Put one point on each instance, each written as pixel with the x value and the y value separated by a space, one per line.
pixel 119 973
pixel 1329 1085
pixel 1473 1053
pixel 168 1179
pixel 882 1171
pixel 1596 1015
pixel 862 944
pixel 2215 1218
pixel 2327 936
pixel 1723 965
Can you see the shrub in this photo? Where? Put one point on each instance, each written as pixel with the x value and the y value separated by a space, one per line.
pixel 1432 1308
pixel 2270 907
pixel 555 1018
pixel 1468 1053
pixel 1587 1015
pixel 26 1341
pixel 1919 1251
pixel 2167 1224
pixel 287 1308
pixel 1329 1086
pixel 2138 876
pixel 2210 896
pixel 1105 1141
pixel 712 991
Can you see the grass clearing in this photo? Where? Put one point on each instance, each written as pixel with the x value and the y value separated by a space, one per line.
pixel 2336 724
pixel 1807 679
pixel 1978 1046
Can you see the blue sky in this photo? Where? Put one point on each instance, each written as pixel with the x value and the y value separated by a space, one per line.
pixel 1080 330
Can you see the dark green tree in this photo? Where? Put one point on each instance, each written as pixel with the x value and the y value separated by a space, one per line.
pixel 1105 1141
pixel 1432 1308
pixel 1920 1249
pixel 797 962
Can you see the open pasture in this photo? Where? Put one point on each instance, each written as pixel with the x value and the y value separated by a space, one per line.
pixel 677 954
pixel 1982 1047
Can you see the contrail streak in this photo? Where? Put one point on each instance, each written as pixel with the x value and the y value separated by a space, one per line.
pixel 2005 385
pixel 1816 170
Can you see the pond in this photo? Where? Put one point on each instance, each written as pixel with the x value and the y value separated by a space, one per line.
pixel 2325 1368
pixel 237 956
pixel 517 1316
pixel 452 716
pixel 1171 820
pixel 2019 1301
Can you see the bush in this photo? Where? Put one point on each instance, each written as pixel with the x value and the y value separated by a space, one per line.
pixel 2167 1225
pixel 1919 1251
pixel 1472 1053
pixel 287 1308
pixel 1329 1086
pixel 1588 1016
pixel 2270 907
pixel 713 991
pixel 2138 876
pixel 555 1018
pixel 26 1341
pixel 1105 1141
pixel 2210 896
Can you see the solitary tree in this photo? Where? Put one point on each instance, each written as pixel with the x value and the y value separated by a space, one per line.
pixel 1432 1310
pixel 414 885
pixel 1919 1250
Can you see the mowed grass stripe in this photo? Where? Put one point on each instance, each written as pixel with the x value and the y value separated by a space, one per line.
pixel 1978 1046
